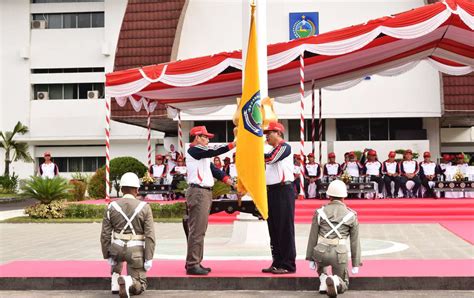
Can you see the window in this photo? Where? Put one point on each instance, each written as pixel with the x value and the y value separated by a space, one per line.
pixel 294 130
pixel 77 164
pixel 55 21
pixel 407 129
pixel 223 130
pixel 83 20
pixel 380 129
pixel 72 20
pixel 352 129
pixel 89 164
pixel 97 19
pixel 56 91
pixel 68 91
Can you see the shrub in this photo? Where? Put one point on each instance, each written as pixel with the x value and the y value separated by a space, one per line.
pixel 85 211
pixel 168 210
pixel 78 191
pixel 122 165
pixel 97 211
pixel 55 209
pixel 96 186
pixel 82 177
pixel 46 190
pixel 9 184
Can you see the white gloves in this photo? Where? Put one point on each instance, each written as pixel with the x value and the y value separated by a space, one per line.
pixel 355 270
pixel 312 265
pixel 111 262
pixel 147 265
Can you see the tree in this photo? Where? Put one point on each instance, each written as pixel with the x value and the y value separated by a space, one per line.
pixel 14 151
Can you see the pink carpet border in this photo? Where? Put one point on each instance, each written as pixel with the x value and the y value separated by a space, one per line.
pixel 237 268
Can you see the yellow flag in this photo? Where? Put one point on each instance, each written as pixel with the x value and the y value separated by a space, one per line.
pixel 249 156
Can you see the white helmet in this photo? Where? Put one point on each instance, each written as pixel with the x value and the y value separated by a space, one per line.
pixel 130 179
pixel 337 189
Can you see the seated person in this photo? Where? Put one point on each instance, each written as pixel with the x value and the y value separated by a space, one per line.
pixel 428 172
pixel 409 169
pixel 159 169
pixel 217 163
pixel 391 174
pixel 179 173
pixel 332 168
pixel 312 176
pixel 373 168
pixel 353 167
pixel 297 173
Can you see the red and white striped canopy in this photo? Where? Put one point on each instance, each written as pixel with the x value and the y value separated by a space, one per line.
pixel 440 33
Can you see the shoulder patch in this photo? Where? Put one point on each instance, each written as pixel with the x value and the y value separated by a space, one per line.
pixel 352 210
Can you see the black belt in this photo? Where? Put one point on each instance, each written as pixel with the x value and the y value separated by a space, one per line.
pixel 199 186
pixel 280 184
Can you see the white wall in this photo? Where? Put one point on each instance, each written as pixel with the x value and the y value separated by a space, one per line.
pixel 457 135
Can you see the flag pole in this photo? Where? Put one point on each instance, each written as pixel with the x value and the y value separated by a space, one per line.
pixel 301 194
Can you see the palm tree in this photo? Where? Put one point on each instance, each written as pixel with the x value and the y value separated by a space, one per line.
pixel 14 151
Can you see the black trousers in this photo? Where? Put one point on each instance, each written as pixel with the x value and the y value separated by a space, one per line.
pixel 403 184
pixel 296 186
pixel 379 181
pixel 388 187
pixel 281 225
pixel 429 193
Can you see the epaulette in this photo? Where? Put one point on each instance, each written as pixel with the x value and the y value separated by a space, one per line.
pixel 352 210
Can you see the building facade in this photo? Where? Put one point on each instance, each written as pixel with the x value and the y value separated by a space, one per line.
pixel 54 56
pixel 55 53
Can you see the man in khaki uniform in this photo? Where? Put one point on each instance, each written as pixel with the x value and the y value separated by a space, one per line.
pixel 128 235
pixel 332 225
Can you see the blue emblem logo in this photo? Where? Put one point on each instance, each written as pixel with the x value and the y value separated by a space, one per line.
pixel 252 115
pixel 303 24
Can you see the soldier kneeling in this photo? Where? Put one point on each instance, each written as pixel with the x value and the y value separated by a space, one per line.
pixel 327 245
pixel 128 235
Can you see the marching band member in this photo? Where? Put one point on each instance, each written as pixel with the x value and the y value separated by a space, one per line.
pixel 48 169
pixel 159 169
pixel 312 175
pixel 332 168
pixel 391 174
pixel 232 169
pixel 428 172
pixel 373 168
pixel 409 169
pixel 179 173
pixel 353 167
pixel 297 173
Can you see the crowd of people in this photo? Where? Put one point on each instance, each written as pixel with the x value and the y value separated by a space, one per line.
pixel 391 175
pixel 369 168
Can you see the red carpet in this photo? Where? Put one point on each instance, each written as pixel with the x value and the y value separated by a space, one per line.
pixel 385 211
pixel 464 230
pixel 162 268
